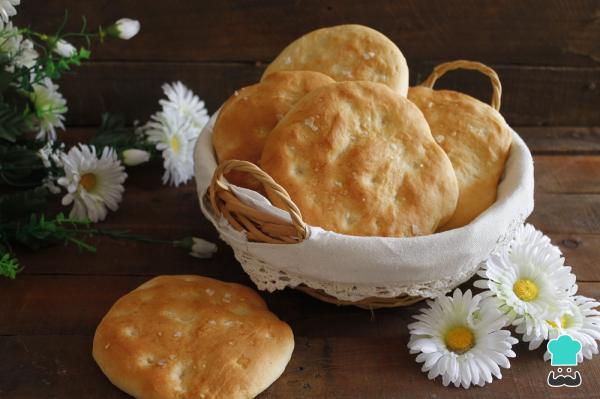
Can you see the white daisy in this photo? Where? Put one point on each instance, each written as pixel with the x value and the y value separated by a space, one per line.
pixel 581 321
pixel 183 101
pixel 50 107
pixel 7 10
pixel 527 234
pixel 174 135
pixel 19 51
pixel 93 184
pixel 529 282
pixel 461 339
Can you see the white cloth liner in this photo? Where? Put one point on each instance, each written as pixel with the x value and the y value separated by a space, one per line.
pixel 353 268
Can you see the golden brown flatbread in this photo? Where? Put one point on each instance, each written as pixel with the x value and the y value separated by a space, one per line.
pixel 477 141
pixel 251 113
pixel 357 158
pixel 346 52
pixel 178 337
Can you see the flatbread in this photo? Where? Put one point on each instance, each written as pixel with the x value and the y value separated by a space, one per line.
pixel 252 112
pixel 477 141
pixel 192 337
pixel 346 52
pixel 359 159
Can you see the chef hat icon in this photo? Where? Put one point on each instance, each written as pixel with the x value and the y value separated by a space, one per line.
pixel 564 350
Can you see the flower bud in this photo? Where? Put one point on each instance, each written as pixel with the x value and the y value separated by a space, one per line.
pixel 202 249
pixel 64 48
pixel 133 157
pixel 125 28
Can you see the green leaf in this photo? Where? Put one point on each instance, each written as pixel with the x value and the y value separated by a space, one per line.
pixel 63 65
pixel 84 54
pixel 51 69
pixel 9 265
pixel 36 232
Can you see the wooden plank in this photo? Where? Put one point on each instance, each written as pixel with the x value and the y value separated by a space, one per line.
pixel 52 367
pixel 131 258
pixel 68 305
pixel 321 367
pixel 581 252
pixel 45 305
pixel 536 32
pixel 134 89
pixel 32 300
pixel 64 305
pixel 567 174
pixel 564 213
pixel 565 140
pixel 564 96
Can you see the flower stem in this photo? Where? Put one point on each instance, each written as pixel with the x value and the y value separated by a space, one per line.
pixel 120 235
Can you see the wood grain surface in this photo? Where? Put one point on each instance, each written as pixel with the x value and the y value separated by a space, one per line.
pixel 534 32
pixel 547 54
pixel 532 96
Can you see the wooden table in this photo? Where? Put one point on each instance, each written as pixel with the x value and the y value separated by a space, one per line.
pixel 547 56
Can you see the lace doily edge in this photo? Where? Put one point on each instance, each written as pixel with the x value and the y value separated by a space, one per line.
pixel 269 278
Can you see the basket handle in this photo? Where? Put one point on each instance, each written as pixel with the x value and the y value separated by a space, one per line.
pixel 259 226
pixel 441 69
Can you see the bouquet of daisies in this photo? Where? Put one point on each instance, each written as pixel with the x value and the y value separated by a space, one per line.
pixel 37 168
pixel 465 339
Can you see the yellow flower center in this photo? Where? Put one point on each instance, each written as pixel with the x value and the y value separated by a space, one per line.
pixel 460 339
pixel 88 181
pixel 526 289
pixel 175 144
pixel 564 321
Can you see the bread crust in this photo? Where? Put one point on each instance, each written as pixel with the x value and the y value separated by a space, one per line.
pixel 248 116
pixel 346 52
pixel 477 141
pixel 192 337
pixel 359 159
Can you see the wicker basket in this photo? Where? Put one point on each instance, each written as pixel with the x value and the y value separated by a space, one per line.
pixel 224 207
